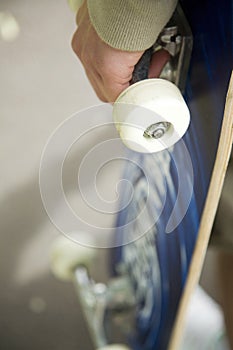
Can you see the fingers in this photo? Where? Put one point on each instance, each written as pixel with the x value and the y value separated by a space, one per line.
pixel 112 89
pixel 106 89
pixel 94 79
pixel 158 61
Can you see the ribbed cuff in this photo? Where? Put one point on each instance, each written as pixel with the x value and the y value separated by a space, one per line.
pixel 130 25
pixel 75 4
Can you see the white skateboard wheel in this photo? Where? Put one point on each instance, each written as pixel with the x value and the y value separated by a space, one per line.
pixel 114 347
pixel 151 115
pixel 67 255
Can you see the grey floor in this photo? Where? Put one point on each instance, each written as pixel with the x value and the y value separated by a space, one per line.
pixel 41 84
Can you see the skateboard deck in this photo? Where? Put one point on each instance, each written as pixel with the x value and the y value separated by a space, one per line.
pixel 164 230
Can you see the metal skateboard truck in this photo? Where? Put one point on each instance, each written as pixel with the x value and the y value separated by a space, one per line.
pixel 100 302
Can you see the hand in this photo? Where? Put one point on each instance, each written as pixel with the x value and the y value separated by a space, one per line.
pixel 109 70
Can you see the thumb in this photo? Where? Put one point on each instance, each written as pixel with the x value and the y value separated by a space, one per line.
pixel 158 61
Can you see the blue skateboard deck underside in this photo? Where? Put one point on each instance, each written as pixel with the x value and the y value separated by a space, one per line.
pixel 169 188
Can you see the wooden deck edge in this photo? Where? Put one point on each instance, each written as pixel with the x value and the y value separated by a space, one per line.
pixel 208 215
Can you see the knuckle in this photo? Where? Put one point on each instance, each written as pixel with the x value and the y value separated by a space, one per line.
pixel 75 44
pixel 102 98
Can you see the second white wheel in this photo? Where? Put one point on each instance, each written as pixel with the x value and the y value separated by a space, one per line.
pixel 114 347
pixel 67 255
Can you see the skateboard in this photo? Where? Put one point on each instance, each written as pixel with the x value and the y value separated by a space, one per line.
pixel 163 233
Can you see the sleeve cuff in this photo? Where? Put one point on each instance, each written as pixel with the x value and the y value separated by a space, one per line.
pixel 75 4
pixel 130 25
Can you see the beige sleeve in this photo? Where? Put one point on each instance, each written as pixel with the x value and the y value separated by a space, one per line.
pixel 75 4
pixel 130 25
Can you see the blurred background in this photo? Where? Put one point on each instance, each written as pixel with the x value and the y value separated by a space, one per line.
pixel 41 84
